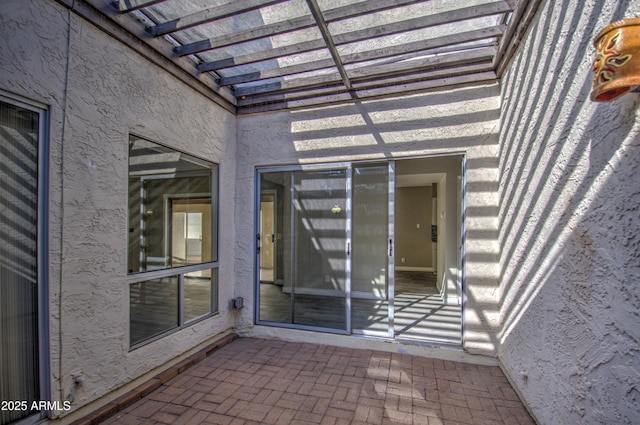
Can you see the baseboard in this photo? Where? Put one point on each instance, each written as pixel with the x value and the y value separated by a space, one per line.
pixel 414 269
pixel 334 293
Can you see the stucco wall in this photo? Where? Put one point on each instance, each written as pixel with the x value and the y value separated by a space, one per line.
pixel 98 91
pixel 456 121
pixel 569 225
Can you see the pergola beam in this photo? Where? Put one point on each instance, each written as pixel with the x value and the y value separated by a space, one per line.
pixel 520 21
pixel 212 14
pixel 413 24
pixel 425 46
pixel 252 34
pixel 388 52
pixel 360 35
pixel 326 35
pixel 472 75
pixel 374 72
pixel 291 49
pixel 303 22
pixel 125 6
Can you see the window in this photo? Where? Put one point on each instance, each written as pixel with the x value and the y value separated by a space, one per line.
pixel 23 250
pixel 172 250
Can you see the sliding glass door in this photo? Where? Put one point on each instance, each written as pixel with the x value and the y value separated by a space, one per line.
pixel 372 240
pixel 303 248
pixel 328 240
pixel 320 248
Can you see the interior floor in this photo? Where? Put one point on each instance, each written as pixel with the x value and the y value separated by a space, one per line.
pixel 155 304
pixel 419 312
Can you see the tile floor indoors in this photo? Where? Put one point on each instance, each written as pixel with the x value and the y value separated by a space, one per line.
pixel 255 381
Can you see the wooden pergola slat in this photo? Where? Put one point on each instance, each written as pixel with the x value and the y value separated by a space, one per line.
pixel 296 24
pixel 365 8
pixel 125 6
pixel 363 85
pixel 265 31
pixel 417 65
pixel 360 35
pixel 466 76
pixel 425 45
pixel 277 72
pixel 428 21
pixel 238 7
pixel 292 49
pixel 391 51
pixel 374 72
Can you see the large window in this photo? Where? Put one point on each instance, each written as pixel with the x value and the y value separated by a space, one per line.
pixel 23 296
pixel 172 255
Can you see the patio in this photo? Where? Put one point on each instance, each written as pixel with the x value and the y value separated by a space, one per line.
pixel 255 381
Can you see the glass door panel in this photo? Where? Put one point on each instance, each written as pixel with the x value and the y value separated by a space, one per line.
pixel 370 254
pixel 319 283
pixel 275 248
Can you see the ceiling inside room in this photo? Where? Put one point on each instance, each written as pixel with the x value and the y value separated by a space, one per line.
pixel 262 55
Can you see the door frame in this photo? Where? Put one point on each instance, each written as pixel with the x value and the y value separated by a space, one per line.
pixel 258 243
pixel 167 202
pixel 391 234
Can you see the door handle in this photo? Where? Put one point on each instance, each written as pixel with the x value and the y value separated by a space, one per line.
pixel 390 247
pixel 258 243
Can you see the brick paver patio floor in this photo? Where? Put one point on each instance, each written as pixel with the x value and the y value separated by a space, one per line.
pixel 254 381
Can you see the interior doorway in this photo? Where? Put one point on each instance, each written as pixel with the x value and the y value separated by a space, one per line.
pixel 190 230
pixel 362 248
pixel 268 236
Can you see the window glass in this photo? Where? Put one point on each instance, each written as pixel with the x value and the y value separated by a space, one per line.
pixel 171 213
pixel 154 308
pixel 19 280
pixel 200 297
pixel 172 226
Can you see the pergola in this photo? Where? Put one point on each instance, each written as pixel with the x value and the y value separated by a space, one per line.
pixel 260 55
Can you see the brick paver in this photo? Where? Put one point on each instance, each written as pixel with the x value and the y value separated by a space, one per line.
pixel 254 381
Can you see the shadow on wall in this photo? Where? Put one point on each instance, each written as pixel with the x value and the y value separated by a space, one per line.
pixel 568 228
pixel 393 127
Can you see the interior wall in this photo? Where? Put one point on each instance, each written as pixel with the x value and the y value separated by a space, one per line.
pixel 97 92
pixel 413 227
pixel 456 121
pixel 569 228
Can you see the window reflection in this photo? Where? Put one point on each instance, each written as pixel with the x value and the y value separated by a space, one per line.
pixel 171 221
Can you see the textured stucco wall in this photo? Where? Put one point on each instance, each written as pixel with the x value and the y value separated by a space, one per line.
pixel 98 91
pixel 570 225
pixel 456 121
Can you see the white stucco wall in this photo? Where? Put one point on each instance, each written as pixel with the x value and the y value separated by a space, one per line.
pixel 98 91
pixel 569 225
pixel 463 120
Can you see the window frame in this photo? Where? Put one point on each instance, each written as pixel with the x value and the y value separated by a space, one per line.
pixel 180 271
pixel 42 247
